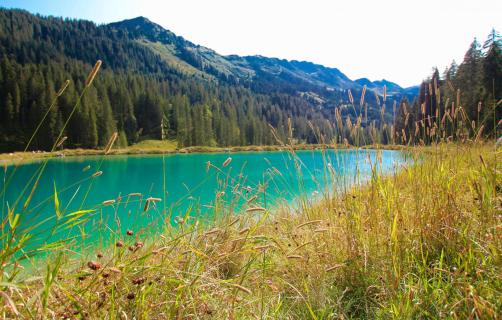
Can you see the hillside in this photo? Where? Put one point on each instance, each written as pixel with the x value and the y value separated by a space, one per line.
pixel 155 84
pixel 256 71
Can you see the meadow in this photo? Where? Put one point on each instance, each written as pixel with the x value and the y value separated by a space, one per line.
pixel 423 242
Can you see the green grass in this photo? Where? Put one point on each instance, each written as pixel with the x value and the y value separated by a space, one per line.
pixel 143 147
pixel 154 145
pixel 423 243
pixel 168 147
pixel 167 54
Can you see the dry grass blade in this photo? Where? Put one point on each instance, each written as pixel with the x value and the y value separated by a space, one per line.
pixel 308 223
pixel 63 88
pixel 108 202
pixel 239 287
pixel 61 141
pixel 336 266
pixel 255 209
pixel 110 143
pixel 10 303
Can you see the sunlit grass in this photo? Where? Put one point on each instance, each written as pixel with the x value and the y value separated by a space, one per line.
pixel 153 145
pixel 423 242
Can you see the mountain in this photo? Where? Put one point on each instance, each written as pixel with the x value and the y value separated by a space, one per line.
pixel 155 84
pixel 321 86
pixel 365 82
pixel 195 59
pixel 177 52
pixel 392 88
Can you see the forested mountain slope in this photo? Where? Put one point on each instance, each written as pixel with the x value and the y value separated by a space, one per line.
pixel 155 84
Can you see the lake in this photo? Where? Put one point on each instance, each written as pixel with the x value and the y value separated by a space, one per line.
pixel 116 188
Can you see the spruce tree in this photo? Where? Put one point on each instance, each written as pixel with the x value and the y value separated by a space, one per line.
pixel 492 80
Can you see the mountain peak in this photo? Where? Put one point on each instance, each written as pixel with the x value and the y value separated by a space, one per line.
pixel 189 55
pixel 142 19
pixel 364 81
pixel 136 23
pixel 142 27
pixel 391 86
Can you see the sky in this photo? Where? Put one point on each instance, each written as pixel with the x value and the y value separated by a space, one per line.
pixel 397 40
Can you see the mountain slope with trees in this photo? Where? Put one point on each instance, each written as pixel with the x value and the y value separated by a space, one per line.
pixel 155 85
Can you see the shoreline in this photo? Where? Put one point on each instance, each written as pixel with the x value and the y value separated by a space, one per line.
pixel 17 157
pixel 312 248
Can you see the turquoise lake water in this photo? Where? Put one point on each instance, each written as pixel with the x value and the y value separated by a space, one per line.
pixel 181 181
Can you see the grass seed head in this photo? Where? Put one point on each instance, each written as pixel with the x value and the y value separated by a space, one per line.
pixel 351 98
pixel 63 88
pixel 361 102
pixel 110 143
pixel 93 73
pixel 97 174
pixel 93 265
pixel 227 162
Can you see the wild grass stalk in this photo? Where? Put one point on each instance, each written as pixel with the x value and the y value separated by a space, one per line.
pixel 421 242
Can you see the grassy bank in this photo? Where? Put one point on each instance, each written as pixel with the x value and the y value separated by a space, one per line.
pixel 423 243
pixel 163 147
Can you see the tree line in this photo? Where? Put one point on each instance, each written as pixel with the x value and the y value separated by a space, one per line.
pixel 463 101
pixel 140 97
pixel 135 94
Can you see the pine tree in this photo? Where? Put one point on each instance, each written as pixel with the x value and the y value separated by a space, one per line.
pixel 9 110
pixel 492 81
pixel 469 78
pixel 105 122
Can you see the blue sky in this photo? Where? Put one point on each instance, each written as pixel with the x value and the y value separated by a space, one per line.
pixel 393 39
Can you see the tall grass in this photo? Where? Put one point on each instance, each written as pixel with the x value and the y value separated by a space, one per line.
pixel 423 242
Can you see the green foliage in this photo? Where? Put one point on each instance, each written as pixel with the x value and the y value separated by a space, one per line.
pixel 157 85
pixel 470 91
pixel 422 243
pixel 135 92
